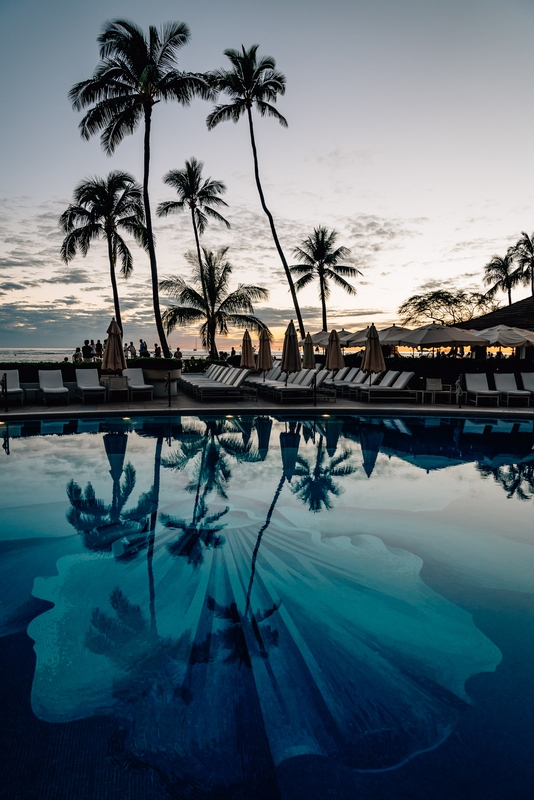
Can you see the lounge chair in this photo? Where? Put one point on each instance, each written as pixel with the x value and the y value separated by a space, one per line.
pixel 359 380
pixel 212 372
pixel 117 385
pixel 506 384
pixel 477 387
pixel 386 381
pixel 14 392
pixel 308 391
pixel 396 391
pixel 51 385
pixel 88 385
pixel 528 381
pixel 136 383
pixel 235 389
pixel 338 383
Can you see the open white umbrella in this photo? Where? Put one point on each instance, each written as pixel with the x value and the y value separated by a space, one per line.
pixel 358 338
pixel 506 336
pixel 334 356
pixel 320 338
pixel 393 335
pixel 113 360
pixel 308 356
pixel 373 358
pixel 247 355
pixel 434 335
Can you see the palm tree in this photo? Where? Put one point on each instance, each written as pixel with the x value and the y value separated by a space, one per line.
pixel 135 72
pixel 101 208
pixel 502 275
pixel 524 253
pixel 197 195
pixel 319 261
pixel 254 82
pixel 214 304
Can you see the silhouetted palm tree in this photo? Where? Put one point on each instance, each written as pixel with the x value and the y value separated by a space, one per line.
pixel 314 485
pixel 319 261
pixel 501 274
pixel 198 196
pixel 136 71
pixel 254 82
pixel 102 207
pixel 215 306
pixel 524 255
pixel 517 480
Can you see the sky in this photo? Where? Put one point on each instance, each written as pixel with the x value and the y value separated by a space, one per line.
pixel 410 133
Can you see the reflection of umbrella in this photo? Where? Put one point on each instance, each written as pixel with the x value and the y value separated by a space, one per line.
pixel 373 359
pixel 333 428
pixel 247 356
pixel 113 360
pixel 244 424
pixel 263 426
pixel 442 336
pixel 289 449
pixel 334 356
pixel 370 440
pixel 115 444
pixel 290 352
pixel 265 359
pixel 308 356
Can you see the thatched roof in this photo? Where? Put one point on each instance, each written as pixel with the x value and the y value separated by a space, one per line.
pixel 517 315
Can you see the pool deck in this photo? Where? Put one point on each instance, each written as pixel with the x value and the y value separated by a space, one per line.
pixel 185 405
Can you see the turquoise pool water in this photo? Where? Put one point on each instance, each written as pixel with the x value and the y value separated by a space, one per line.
pixel 258 607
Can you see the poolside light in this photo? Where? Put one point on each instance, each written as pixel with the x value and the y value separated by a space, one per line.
pixel 229 416
pixel 126 417
pixel 326 415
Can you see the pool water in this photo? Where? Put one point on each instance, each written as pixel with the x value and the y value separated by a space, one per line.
pixel 267 607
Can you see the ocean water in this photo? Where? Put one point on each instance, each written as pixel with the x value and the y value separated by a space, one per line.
pixel 254 607
pixel 57 354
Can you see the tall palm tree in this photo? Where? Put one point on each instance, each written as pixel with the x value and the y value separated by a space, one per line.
pixel 135 72
pixel 254 82
pixel 524 254
pixel 102 207
pixel 501 274
pixel 319 261
pixel 198 196
pixel 215 306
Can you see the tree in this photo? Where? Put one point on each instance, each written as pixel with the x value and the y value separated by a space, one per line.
pixel 254 82
pixel 501 274
pixel 135 72
pixel 216 307
pixel 319 261
pixel 445 306
pixel 524 253
pixel 197 195
pixel 102 207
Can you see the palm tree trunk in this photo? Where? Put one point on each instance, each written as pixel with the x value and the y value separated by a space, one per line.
pixel 112 261
pixel 323 300
pixel 150 237
pixel 152 536
pixel 258 540
pixel 199 256
pixel 273 229
pixel 510 296
pixel 214 353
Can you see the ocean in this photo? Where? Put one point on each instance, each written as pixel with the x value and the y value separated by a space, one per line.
pixel 56 354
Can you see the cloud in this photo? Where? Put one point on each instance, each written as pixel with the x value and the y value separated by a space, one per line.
pixel 9 286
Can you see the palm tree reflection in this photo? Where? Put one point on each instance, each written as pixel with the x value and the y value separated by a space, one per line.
pixel 315 484
pixel 517 480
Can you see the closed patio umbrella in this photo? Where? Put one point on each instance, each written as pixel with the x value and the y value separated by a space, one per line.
pixel 373 359
pixel 308 356
pixel 334 356
pixel 247 355
pixel 290 351
pixel 113 360
pixel 265 359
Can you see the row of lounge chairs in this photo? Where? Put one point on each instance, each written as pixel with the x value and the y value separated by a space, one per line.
pixel 129 386
pixel 219 382
pixel 506 388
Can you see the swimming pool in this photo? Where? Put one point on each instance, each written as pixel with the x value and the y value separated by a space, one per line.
pixel 264 607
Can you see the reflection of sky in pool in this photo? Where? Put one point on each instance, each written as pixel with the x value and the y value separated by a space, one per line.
pixel 252 607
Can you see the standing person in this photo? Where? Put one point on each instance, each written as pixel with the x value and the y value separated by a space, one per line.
pixel 133 351
pixel 157 350
pixel 126 349
pixel 98 349
pixel 93 350
pixel 87 351
pixel 77 356
pixel 177 352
